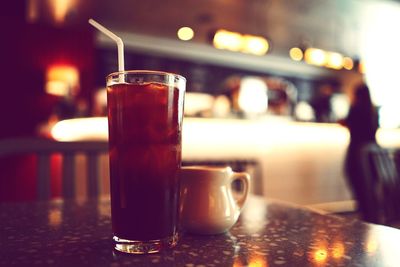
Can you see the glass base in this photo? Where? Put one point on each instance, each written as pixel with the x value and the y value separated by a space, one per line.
pixel 145 247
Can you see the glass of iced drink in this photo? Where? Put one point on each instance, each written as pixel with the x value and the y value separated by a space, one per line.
pixel 145 111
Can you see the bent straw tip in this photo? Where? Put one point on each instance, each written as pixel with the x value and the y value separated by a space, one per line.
pixel 114 37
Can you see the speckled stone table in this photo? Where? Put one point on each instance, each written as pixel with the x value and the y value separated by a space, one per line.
pixel 78 233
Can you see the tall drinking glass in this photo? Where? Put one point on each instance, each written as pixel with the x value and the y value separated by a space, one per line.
pixel 145 112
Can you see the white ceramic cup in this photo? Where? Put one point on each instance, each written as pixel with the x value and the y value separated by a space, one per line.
pixel 207 204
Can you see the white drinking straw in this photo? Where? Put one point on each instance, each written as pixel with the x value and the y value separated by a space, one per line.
pixel 118 40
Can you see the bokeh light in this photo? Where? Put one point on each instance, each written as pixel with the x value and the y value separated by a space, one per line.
pixel 296 54
pixel 185 33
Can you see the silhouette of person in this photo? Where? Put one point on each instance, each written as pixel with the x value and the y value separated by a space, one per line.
pixel 362 122
pixel 322 104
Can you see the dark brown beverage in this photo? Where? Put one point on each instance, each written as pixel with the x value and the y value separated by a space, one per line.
pixel 145 155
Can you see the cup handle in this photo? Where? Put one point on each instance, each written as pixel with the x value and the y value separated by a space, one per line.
pixel 245 180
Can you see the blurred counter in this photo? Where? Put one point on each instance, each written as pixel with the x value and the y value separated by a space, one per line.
pixel 208 138
pixel 300 162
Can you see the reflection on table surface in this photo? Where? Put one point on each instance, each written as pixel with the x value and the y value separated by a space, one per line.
pixel 75 233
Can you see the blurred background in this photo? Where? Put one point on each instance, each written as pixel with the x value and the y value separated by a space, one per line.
pixel 267 79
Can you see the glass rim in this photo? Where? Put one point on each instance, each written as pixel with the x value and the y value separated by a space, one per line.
pixel 146 72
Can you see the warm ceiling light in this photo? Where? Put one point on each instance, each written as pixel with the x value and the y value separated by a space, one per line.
pixel 334 60
pixel 62 80
pixel 60 9
pixel 185 33
pixel 348 63
pixel 315 56
pixel 296 54
pixel 237 42
pixel 227 40
pixel 255 45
